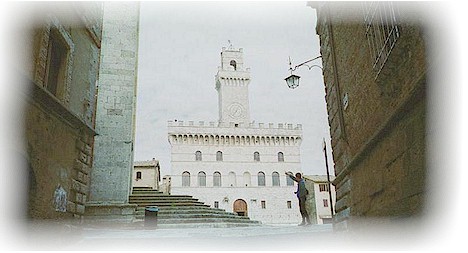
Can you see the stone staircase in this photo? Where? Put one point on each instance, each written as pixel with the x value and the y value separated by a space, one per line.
pixel 184 211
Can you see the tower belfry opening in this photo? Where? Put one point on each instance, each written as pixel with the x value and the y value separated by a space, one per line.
pixel 236 152
pixel 232 82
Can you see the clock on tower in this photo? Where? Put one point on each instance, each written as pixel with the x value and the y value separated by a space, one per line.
pixel 232 82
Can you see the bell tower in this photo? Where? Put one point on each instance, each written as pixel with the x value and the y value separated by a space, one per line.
pixel 232 83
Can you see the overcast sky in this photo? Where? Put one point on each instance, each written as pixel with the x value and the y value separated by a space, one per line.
pixel 179 53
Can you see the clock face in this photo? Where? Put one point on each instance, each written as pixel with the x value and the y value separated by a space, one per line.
pixel 235 110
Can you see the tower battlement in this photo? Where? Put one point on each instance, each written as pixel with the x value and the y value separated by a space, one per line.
pixel 213 124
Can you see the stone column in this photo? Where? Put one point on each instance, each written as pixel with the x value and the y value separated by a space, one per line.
pixel 115 115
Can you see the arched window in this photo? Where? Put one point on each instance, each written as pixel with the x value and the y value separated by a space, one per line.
pixel 217 179
pixel 234 64
pixel 138 175
pixel 275 179
pixel 201 178
pixel 219 156
pixel 289 181
pixel 186 179
pixel 261 179
pixel 280 157
pixel 232 179
pixel 247 179
pixel 198 156
pixel 257 157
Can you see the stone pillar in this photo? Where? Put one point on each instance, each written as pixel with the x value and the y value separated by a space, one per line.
pixel 115 116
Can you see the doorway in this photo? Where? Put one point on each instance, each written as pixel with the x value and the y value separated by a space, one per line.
pixel 240 207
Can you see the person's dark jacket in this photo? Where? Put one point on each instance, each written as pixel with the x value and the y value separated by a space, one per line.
pixel 301 188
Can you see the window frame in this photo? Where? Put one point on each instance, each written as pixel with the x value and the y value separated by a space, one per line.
pixel 54 28
pixel 382 31
pixel 198 156
pixel 219 156
pixel 280 157
pixel 325 202
pixel 324 187
pixel 217 179
pixel 201 177
pixel 289 181
pixel 185 179
pixel 256 156
pixel 260 175
pixel 275 175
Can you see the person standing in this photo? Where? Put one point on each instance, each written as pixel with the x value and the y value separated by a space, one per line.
pixel 301 194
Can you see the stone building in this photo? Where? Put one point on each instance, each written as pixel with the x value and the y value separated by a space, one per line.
pixel 58 52
pixel 146 174
pixel 318 201
pixel 234 164
pixel 76 63
pixel 110 185
pixel 374 68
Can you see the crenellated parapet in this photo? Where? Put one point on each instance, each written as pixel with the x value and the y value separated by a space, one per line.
pixel 214 133
pixel 211 124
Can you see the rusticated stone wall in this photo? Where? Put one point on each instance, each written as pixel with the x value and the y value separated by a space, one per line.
pixel 377 117
pixel 58 128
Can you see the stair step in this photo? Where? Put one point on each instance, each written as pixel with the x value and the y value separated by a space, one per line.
pixel 166 200
pixel 180 210
pixel 167 204
pixel 160 198
pixel 207 215
pixel 148 194
pixel 204 220
pixel 205 225
pixel 188 211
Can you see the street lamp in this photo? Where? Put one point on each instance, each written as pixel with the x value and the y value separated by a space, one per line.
pixel 293 80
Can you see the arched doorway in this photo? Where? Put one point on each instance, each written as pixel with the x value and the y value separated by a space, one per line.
pixel 240 207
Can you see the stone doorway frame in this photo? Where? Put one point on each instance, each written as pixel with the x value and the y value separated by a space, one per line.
pixel 240 207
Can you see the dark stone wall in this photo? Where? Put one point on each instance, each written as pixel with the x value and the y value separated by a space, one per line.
pixel 378 139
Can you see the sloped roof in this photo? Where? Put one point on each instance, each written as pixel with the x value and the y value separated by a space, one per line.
pixel 319 178
pixel 150 163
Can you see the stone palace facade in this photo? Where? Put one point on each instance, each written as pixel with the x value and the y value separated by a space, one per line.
pixel 234 164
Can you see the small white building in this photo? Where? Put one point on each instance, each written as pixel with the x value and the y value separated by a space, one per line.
pixel 146 174
pixel 318 200
pixel 234 164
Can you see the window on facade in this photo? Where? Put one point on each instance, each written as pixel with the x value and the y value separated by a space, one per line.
pixel 289 204
pixel 323 187
pixel 232 179
pixel 263 204
pixel 198 156
pixel 138 175
pixel 219 156
pixel 217 179
pixel 216 204
pixel 56 63
pixel 275 179
pixel 201 178
pixel 261 179
pixel 233 64
pixel 325 203
pixel 289 181
pixel 247 179
pixel 280 157
pixel 257 157
pixel 186 179
pixel 382 31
